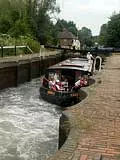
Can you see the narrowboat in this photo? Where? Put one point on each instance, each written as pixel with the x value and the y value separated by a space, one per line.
pixel 62 82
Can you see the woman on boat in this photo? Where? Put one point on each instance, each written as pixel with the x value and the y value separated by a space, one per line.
pixel 81 82
pixel 52 83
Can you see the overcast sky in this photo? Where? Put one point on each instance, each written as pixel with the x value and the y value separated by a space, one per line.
pixel 89 13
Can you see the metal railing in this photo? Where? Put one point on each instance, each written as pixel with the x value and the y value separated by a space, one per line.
pixel 12 50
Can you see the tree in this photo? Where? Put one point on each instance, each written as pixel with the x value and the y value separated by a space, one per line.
pixel 85 36
pixel 103 35
pixel 27 17
pixel 72 28
pixel 40 19
pixel 69 25
pixel 110 32
pixel 5 25
pixel 113 31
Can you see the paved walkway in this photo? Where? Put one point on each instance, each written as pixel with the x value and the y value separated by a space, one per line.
pixel 102 113
pixel 95 123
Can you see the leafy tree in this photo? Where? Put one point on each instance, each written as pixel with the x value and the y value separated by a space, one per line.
pixel 113 31
pixel 27 17
pixel 103 35
pixel 32 18
pixel 72 28
pixel 85 36
pixel 19 29
pixel 69 25
pixel 39 18
pixel 110 32
pixel 61 24
pixel 4 25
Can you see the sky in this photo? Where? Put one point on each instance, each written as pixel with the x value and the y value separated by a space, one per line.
pixel 88 13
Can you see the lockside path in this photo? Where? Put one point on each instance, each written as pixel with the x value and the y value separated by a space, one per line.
pixel 95 122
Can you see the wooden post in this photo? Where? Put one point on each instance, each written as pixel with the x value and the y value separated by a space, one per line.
pixel 15 50
pixel 17 73
pixel 2 51
pixel 30 70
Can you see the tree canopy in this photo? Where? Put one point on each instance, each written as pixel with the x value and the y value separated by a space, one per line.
pixel 32 18
pixel 110 32
pixel 27 17
pixel 85 35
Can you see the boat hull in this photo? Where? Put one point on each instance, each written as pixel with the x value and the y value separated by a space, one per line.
pixel 63 99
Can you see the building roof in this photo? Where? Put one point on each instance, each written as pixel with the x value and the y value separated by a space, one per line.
pixel 66 35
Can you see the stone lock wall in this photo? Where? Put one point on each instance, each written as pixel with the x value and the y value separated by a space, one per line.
pixel 13 73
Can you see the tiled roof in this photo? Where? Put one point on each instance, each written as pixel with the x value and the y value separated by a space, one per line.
pixel 66 35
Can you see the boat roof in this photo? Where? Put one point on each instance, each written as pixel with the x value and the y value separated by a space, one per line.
pixel 81 64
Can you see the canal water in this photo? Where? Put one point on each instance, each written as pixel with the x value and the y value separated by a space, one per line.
pixel 29 126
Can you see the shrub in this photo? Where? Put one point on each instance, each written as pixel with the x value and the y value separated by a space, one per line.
pixel 6 40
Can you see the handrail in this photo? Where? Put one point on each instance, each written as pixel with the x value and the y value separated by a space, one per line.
pixel 94 65
pixel 15 47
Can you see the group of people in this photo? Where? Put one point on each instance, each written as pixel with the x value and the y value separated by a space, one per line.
pixel 56 85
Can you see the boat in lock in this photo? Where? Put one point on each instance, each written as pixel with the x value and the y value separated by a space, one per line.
pixel 62 82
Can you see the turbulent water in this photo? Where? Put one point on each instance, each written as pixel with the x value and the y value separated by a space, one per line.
pixel 29 126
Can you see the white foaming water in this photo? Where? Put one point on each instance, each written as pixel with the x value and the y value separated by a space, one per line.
pixel 29 126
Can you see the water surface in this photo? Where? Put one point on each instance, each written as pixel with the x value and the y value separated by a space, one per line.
pixel 29 126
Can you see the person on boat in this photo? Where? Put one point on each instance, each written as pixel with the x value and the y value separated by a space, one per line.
pixel 89 57
pixel 55 84
pixel 85 80
pixel 64 82
pixel 56 76
pixel 81 82
pixel 59 86
pixel 44 82
pixel 52 84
